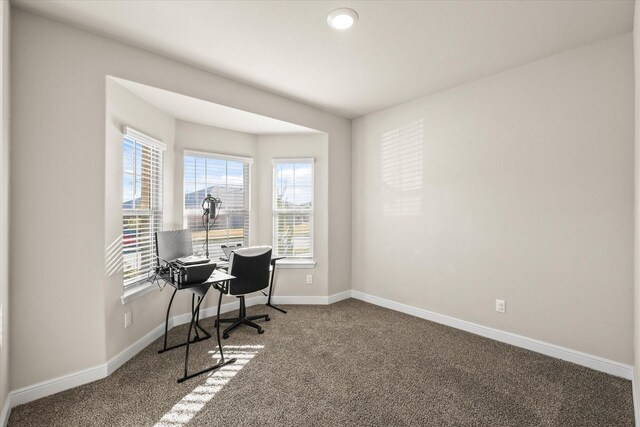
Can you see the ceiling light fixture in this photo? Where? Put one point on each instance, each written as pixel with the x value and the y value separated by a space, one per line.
pixel 341 19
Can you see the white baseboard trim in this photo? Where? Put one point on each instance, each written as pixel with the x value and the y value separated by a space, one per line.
pixel 121 358
pixel 65 382
pixel 590 361
pixel 6 411
pixel 636 396
pixel 181 319
pixel 49 387
pixel 312 300
pixel 339 297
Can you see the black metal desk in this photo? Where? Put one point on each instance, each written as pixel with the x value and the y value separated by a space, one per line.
pixel 219 281
pixel 273 272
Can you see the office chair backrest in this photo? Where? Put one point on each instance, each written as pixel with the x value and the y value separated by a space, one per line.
pixel 173 244
pixel 250 266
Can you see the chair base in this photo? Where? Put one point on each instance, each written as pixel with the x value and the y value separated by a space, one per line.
pixel 242 319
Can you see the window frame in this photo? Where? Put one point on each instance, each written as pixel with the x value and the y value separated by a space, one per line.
pixel 226 157
pixel 274 211
pixel 156 217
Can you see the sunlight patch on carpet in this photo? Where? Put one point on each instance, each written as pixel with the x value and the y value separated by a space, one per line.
pixel 187 408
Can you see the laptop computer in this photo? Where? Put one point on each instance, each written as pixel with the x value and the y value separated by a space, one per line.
pixel 197 273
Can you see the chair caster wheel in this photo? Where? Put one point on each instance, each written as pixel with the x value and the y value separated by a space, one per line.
pixel 261 331
pixel 267 318
pixel 225 336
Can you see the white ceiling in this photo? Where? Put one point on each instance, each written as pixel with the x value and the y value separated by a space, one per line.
pixel 398 51
pixel 207 113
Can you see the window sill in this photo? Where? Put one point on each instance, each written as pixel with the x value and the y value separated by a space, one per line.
pixel 148 287
pixel 138 291
pixel 295 263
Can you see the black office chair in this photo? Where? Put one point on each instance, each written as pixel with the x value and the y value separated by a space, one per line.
pixel 250 266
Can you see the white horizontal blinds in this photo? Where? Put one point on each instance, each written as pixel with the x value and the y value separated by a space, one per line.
pixel 402 170
pixel 141 204
pixel 225 178
pixel 293 208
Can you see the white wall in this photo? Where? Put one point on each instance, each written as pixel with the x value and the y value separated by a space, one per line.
pixel 636 329
pixel 58 127
pixel 4 202
pixel 518 186
pixel 126 109
pixel 290 281
pixel 57 256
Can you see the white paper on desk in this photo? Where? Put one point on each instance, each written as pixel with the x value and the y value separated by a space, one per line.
pixel 192 259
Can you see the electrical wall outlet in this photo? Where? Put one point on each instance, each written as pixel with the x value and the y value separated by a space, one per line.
pixel 309 279
pixel 501 306
pixel 128 319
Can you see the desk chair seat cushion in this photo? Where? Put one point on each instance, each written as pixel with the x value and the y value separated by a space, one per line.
pixel 250 266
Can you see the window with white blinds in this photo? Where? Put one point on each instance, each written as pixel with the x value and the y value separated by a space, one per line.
pixel 293 208
pixel 141 203
pixel 226 178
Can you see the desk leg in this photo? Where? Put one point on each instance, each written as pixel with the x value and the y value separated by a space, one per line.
pixel 218 333
pixel 193 312
pixel 198 326
pixel 186 355
pixel 218 365
pixel 208 335
pixel 273 273
pixel 166 323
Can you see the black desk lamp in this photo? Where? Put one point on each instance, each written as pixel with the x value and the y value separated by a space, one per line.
pixel 210 211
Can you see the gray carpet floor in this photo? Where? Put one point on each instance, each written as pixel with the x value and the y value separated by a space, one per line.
pixel 346 364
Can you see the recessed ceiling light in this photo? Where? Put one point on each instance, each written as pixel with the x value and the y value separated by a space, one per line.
pixel 341 19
